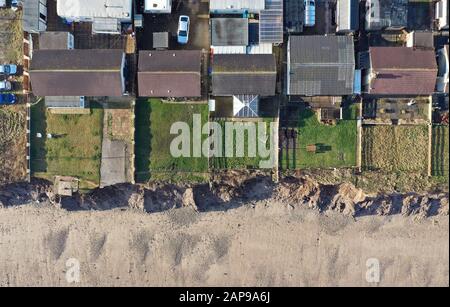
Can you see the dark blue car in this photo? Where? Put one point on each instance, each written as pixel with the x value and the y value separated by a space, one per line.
pixel 7 99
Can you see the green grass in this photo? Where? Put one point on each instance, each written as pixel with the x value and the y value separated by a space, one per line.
pixel 246 162
pixel 74 150
pixel 395 148
pixel 153 158
pixel 336 144
pixel 440 151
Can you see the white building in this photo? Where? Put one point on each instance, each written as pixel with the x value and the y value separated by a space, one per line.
pixel 158 6
pixel 347 16
pixel 236 6
pixel 444 70
pixel 442 14
pixel 107 16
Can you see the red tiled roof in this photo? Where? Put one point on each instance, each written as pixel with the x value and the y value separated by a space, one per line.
pixel 403 71
pixel 404 82
pixel 402 58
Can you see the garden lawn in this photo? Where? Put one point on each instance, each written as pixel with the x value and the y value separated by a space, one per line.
pixel 153 158
pixel 440 152
pixel 336 144
pixel 246 162
pixel 75 146
pixel 395 148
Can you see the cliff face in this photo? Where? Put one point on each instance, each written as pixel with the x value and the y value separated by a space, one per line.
pixel 234 192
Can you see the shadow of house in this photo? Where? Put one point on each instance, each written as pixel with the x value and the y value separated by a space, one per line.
pixel 143 137
pixel 38 148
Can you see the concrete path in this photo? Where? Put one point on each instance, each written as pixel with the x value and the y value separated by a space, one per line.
pixel 113 170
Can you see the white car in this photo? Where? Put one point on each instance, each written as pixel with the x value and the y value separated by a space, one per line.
pixel 5 86
pixel 183 29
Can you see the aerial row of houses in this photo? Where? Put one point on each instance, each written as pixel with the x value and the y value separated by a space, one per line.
pixel 109 15
pixel 243 68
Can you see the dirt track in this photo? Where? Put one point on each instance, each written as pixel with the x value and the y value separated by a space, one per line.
pixel 263 244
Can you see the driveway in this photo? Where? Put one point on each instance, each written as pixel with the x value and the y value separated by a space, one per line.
pixel 197 10
pixel 325 11
pixel 420 15
pixel 113 169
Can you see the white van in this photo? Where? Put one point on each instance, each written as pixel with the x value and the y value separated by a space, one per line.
pixel 310 13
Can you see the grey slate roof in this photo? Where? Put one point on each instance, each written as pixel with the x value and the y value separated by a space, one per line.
pixel 54 40
pixel 321 65
pixel 423 39
pixel 160 40
pixel 244 74
pixel 63 101
pixel 348 15
pixel 229 31
pixel 271 22
pixel 31 16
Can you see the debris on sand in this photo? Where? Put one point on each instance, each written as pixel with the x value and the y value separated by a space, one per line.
pixel 188 199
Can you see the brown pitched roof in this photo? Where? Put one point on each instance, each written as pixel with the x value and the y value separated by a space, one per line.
pixel 403 71
pixel 402 57
pixel 77 72
pixel 244 74
pixel 170 73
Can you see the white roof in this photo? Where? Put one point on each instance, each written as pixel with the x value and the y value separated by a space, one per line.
pixel 251 5
pixel 158 5
pixel 344 15
pixel 261 48
pixel 119 9
pixel 229 49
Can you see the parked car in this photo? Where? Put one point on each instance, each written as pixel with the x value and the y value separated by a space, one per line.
pixel 7 99
pixel 14 5
pixel 183 29
pixel 310 13
pixel 8 69
pixel 5 86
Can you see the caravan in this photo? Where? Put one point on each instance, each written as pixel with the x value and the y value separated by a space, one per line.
pixel 158 6
pixel 310 13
